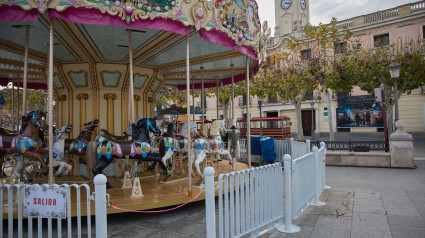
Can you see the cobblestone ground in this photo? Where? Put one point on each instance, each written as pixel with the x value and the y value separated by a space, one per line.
pixel 363 202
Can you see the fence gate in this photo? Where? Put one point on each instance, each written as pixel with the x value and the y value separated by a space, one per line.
pixel 72 224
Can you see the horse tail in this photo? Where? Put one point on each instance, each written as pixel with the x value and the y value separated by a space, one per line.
pixel 161 148
pixel 91 158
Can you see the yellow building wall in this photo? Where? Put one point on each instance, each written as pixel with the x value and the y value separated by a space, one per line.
pixel 411 111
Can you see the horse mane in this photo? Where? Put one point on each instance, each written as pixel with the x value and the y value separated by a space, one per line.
pixel 25 121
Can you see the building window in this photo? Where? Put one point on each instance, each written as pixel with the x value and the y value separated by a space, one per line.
pixel 271 99
pixel 306 54
pixel 381 40
pixel 423 32
pixel 340 47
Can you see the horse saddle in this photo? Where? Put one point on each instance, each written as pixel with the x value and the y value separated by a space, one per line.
pixel 113 137
pixel 6 139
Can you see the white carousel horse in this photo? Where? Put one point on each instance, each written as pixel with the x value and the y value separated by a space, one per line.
pixel 212 145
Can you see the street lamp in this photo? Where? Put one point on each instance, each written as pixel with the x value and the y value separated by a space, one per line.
pixel 395 74
pixel 312 119
pixel 260 101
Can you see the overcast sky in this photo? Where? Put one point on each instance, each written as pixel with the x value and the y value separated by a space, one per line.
pixel 324 10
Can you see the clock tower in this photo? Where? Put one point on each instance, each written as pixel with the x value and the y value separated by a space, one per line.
pixel 290 17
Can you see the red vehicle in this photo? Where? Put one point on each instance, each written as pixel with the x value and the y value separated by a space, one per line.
pixel 277 127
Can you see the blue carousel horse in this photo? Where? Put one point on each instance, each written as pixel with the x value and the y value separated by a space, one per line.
pixel 138 147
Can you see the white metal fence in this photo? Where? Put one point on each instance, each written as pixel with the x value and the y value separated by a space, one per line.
pixel 249 201
pixel 281 147
pixel 17 226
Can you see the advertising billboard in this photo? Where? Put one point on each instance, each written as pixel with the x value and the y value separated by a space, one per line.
pixel 359 111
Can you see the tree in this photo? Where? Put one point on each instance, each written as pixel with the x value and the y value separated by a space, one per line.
pixel 286 74
pixel 322 40
pixel 36 99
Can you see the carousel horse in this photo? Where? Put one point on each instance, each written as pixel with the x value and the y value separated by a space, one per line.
pixel 168 144
pixel 60 134
pixel 79 145
pixel 28 142
pixel 138 147
pixel 213 145
pixel 233 136
pixel 58 151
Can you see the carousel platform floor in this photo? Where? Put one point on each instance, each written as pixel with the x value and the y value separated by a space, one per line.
pixel 157 195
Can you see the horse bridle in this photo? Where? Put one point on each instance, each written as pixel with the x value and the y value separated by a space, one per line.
pixel 34 119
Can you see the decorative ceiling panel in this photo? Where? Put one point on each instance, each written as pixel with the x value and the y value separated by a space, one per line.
pixel 109 49
pixel 39 38
pixel 176 53
pixel 139 80
pixel 110 79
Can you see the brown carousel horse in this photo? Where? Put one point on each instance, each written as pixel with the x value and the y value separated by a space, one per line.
pixel 79 145
pixel 28 142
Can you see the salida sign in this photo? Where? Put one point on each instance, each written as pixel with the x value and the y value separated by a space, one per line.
pixel 46 202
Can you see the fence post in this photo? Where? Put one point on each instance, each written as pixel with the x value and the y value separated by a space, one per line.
pixel 291 143
pixel 210 201
pixel 288 227
pixel 323 145
pixel 317 187
pixel 308 144
pixel 100 205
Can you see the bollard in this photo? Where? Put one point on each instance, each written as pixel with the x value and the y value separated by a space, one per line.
pixel 210 201
pixel 100 205
pixel 288 227
pixel 308 145
pixel 317 186
pixel 322 145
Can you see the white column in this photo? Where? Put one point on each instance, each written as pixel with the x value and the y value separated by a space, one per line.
pixel 248 116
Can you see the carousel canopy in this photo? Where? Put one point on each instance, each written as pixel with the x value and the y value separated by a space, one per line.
pixel 92 35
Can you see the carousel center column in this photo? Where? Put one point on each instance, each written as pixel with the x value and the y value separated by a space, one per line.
pixel 110 97
pixel 83 98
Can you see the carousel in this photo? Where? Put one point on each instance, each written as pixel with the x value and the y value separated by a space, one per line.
pixel 102 63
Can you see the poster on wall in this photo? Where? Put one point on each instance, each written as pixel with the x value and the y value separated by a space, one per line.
pixel 359 111
pixel 45 202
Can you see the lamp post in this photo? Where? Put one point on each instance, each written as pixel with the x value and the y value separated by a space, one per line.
pixel 384 108
pixel 312 119
pixel 260 101
pixel 395 74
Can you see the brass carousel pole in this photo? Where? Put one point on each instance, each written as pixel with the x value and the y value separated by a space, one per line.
pixel 13 106
pixel 131 89
pixel 189 139
pixel 248 116
pixel 193 98
pixel 50 102
pixel 233 94
pixel 202 94
pixel 216 85
pixel 24 92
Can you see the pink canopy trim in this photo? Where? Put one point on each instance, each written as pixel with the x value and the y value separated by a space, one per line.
pixel 226 81
pixel 95 17
pixel 15 13
pixel 223 39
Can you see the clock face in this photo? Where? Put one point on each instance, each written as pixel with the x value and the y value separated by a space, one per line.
pixel 285 4
pixel 303 4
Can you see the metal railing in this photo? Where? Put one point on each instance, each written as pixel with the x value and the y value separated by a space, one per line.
pixel 249 201
pixel 360 146
pixel 74 228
